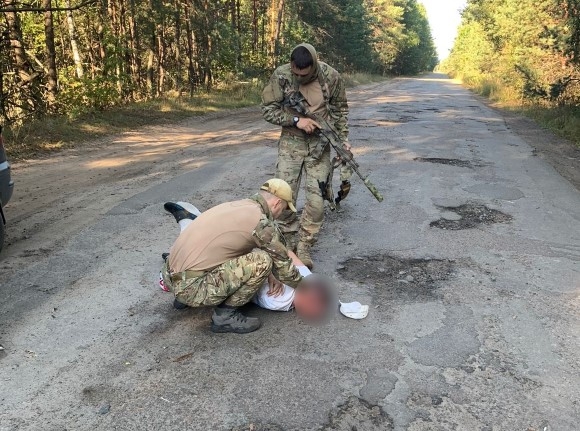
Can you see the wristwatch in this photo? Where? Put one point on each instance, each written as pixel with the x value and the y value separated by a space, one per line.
pixel 295 121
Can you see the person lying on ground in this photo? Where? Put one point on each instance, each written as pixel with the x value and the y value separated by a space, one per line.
pixel 310 300
pixel 224 256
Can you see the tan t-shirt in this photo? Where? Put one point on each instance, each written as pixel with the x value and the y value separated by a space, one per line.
pixel 219 234
pixel 312 92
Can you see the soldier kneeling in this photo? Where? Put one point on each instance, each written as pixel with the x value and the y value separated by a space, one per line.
pixel 227 253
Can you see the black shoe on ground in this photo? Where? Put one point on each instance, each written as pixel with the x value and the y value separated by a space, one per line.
pixel 179 305
pixel 178 211
pixel 164 256
pixel 231 320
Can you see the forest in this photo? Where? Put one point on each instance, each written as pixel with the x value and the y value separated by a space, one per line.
pixel 521 51
pixel 68 57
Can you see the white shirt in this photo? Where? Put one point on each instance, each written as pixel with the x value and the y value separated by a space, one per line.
pixel 284 302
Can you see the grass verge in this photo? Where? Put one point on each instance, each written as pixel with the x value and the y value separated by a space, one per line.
pixel 40 138
pixel 563 121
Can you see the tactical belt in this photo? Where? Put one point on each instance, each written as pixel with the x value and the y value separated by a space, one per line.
pixel 185 275
pixel 294 131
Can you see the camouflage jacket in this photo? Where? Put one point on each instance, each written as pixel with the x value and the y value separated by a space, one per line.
pixel 333 89
pixel 269 238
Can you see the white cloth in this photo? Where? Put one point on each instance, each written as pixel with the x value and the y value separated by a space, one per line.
pixel 354 310
pixel 284 302
pixel 183 223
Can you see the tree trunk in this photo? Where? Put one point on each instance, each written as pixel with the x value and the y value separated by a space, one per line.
pixel 72 33
pixel 101 50
pixel 191 72
pixel 160 58
pixel 277 8
pixel 207 55
pixel 29 99
pixel 150 70
pixel 51 73
pixel 115 27
pixel 151 51
pixel 124 62
pixel 134 47
pixel 255 29
pixel 177 48
pixel 101 40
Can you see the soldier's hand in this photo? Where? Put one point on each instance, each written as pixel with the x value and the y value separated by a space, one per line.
pixel 308 125
pixel 276 286
pixel 346 145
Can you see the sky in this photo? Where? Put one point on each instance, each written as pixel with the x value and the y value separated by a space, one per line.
pixel 444 18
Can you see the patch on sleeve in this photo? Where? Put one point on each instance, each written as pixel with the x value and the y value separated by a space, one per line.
pixel 272 92
pixel 264 232
pixel 268 94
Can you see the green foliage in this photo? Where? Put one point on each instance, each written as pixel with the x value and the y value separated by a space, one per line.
pixel 523 53
pixel 133 50
pixel 563 120
pixel 418 52
pixel 388 31
pixel 528 47
pixel 85 95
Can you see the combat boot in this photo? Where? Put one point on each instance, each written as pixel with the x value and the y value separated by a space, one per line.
pixel 231 320
pixel 178 211
pixel 303 253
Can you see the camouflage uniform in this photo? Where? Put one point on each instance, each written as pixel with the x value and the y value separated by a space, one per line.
pixel 298 151
pixel 235 281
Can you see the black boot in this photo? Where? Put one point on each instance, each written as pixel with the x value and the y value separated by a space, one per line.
pixel 231 320
pixel 178 211
pixel 179 305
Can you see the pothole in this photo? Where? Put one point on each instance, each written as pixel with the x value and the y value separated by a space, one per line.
pixel 357 414
pixel 398 278
pixel 471 215
pixel 398 118
pixel 362 125
pixel 452 162
pixel 258 427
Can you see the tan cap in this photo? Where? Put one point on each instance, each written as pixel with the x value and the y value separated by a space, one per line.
pixel 281 189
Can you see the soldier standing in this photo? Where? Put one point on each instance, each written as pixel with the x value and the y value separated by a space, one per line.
pixel 300 149
pixel 223 258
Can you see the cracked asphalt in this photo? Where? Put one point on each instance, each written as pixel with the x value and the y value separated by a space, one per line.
pixel 474 328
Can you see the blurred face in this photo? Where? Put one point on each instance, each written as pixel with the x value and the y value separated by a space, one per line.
pixel 311 306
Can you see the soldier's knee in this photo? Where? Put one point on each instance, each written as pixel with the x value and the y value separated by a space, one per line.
pixel 314 204
pixel 315 212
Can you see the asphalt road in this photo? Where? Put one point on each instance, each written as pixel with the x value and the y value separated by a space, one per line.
pixel 470 267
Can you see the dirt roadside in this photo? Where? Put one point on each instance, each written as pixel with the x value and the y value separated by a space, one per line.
pixel 562 154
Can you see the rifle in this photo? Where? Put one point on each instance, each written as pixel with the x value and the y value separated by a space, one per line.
pixel 295 100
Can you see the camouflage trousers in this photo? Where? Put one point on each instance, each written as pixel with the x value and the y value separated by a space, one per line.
pixel 294 160
pixel 233 283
